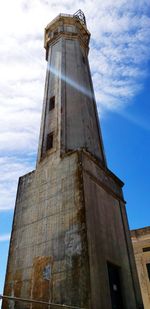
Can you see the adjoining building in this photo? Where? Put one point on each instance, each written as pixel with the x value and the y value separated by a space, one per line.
pixel 141 245
pixel 70 242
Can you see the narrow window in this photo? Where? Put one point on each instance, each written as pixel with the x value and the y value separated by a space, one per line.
pixel 148 270
pixel 115 285
pixel 51 103
pixel 69 29
pixel 83 59
pixel 56 32
pixel 146 249
pixel 49 142
pixel 49 34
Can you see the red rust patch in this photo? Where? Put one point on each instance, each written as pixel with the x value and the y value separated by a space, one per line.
pixel 13 286
pixel 17 278
pixel 41 287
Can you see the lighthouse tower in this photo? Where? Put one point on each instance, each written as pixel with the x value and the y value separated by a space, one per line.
pixel 70 242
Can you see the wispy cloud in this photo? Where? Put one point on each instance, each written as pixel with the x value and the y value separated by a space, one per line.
pixel 119 54
pixel 11 169
pixel 136 120
pixel 119 51
pixel 5 237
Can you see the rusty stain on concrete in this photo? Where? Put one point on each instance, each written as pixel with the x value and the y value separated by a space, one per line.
pixel 41 288
pixel 17 283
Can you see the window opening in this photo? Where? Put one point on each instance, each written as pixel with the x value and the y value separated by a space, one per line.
pixel 49 34
pixel 115 286
pixel 148 270
pixel 146 249
pixel 69 29
pixel 55 32
pixel 83 59
pixel 51 103
pixel 49 142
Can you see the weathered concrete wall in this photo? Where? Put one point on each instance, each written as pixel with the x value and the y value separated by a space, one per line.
pixel 51 119
pixel 79 115
pixel 48 257
pixel 74 121
pixel 67 226
pixel 106 236
pixel 141 240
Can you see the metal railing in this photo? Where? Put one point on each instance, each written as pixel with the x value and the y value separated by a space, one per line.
pixel 33 301
pixel 79 15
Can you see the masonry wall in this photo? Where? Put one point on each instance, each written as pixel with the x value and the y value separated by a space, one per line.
pixel 141 240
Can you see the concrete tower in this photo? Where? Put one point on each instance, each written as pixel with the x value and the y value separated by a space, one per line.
pixel 70 241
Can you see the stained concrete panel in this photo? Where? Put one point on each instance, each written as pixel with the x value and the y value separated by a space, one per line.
pixel 81 119
pixel 106 237
pixel 49 238
pixel 78 228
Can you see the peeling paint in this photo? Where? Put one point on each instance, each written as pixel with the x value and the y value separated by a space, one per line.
pixel 73 241
pixel 47 272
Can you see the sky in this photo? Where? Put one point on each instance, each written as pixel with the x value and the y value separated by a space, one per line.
pixel 120 65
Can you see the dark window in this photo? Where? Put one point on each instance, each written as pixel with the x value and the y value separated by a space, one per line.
pixel 49 34
pixel 49 142
pixel 55 32
pixel 115 286
pixel 146 249
pixel 148 269
pixel 83 59
pixel 51 103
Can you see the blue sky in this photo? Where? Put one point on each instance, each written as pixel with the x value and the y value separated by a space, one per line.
pixel 120 65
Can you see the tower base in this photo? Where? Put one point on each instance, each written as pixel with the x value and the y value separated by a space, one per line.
pixel 70 241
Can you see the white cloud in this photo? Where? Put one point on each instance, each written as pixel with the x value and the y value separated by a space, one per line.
pixel 119 50
pixel 11 169
pixel 5 237
pixel 119 53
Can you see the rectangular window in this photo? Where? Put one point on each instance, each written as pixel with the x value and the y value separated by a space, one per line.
pixel 56 32
pixel 115 285
pixel 83 59
pixel 49 142
pixel 50 34
pixel 148 270
pixel 146 249
pixel 51 103
pixel 69 28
